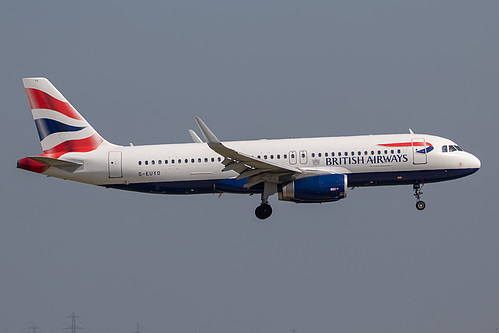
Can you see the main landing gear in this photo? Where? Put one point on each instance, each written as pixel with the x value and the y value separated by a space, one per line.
pixel 420 204
pixel 264 210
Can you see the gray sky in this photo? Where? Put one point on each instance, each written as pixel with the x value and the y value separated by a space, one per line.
pixel 140 71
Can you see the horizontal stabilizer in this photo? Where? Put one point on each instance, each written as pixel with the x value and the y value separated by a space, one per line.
pixel 55 162
pixel 41 164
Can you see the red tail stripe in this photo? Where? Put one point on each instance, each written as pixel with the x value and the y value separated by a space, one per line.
pixel 41 100
pixel 80 146
pixel 32 165
pixel 406 144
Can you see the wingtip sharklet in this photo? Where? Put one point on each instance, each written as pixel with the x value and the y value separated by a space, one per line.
pixel 207 133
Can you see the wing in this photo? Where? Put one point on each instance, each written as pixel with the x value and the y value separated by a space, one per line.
pixel 195 138
pixel 247 166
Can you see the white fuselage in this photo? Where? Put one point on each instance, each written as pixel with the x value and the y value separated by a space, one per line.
pixel 195 168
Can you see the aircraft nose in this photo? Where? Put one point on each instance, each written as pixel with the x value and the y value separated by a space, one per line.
pixel 475 162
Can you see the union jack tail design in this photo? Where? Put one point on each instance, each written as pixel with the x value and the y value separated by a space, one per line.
pixel 60 127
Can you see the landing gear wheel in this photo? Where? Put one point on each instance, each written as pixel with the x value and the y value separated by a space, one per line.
pixel 263 211
pixel 420 205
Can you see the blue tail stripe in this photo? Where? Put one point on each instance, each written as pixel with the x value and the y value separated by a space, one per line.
pixel 46 127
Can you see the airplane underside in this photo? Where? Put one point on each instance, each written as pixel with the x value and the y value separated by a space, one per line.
pixel 236 186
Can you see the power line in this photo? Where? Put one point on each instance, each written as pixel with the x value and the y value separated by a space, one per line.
pixel 33 328
pixel 73 326
pixel 138 329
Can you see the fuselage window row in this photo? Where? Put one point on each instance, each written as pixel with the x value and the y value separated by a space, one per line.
pixel 278 156
pixel 179 161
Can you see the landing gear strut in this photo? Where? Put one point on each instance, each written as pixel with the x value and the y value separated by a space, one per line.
pixel 420 204
pixel 264 210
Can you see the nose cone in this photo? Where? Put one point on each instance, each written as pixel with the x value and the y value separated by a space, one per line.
pixel 474 162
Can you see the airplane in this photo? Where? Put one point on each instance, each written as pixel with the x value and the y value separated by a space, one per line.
pixel 304 170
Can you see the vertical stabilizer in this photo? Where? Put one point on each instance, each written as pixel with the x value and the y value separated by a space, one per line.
pixel 60 127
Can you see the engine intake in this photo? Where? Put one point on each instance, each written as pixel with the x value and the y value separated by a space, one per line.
pixel 320 188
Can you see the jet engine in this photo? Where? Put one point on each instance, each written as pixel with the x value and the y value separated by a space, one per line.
pixel 320 188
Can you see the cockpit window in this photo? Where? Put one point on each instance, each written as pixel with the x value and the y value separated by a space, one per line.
pixel 451 148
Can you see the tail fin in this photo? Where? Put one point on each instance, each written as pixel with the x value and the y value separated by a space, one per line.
pixel 60 127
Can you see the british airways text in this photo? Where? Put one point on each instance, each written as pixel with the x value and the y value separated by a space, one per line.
pixel 384 159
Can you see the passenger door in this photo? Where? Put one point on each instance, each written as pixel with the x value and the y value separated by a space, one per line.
pixel 114 164
pixel 419 151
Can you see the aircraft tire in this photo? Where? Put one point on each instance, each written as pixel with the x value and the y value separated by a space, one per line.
pixel 420 205
pixel 263 211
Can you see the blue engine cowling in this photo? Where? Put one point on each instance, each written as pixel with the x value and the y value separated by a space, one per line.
pixel 320 188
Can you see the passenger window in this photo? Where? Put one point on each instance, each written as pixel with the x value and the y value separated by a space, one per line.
pixel 359 153
pixel 205 159
pixel 320 155
pixel 325 154
pixel 372 152
pixel 393 152
pixel 365 152
pixel 213 159
pixel 332 154
pixel 386 152
pixel 271 157
pixel 265 157
pixel 166 161
pixel 444 149
pixel 313 154
pixel 192 160
pixel 353 153
pixel 278 156
pixel 339 154
pixel 159 161
pixel 152 162
pixel 199 160
pixel 146 163
pixel 219 159
pixel 285 156
pixel 398 151
pixel 140 162
pixel 179 161
pixel 186 160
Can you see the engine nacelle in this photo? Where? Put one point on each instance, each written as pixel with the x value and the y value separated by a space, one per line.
pixel 320 188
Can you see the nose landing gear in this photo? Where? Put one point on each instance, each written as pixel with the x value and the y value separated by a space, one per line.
pixel 420 204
